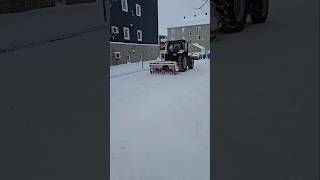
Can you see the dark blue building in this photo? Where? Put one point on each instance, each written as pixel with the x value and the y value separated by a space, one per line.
pixel 134 30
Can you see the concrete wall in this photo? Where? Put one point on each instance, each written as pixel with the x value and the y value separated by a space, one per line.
pixel 148 52
pixel 204 34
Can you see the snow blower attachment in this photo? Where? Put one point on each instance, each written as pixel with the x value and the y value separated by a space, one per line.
pixel 174 58
pixel 164 67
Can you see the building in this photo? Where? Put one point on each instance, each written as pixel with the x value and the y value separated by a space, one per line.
pixel 15 6
pixel 194 29
pixel 134 31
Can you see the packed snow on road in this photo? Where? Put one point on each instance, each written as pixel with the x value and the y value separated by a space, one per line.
pixel 159 123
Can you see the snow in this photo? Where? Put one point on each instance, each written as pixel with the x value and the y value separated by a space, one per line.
pixel 159 123
pixel 125 69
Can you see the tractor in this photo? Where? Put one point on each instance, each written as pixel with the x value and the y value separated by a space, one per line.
pixel 175 57
pixel 230 16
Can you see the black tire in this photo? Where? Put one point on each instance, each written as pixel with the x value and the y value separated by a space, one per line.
pixel 233 13
pixel 259 11
pixel 182 63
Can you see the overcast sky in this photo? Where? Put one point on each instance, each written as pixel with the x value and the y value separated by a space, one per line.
pixel 172 10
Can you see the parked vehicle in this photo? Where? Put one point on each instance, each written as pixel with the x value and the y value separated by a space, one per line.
pixel 196 56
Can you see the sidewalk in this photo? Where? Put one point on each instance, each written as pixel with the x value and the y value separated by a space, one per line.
pixel 130 68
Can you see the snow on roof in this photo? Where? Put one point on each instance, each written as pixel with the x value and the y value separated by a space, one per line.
pixel 191 21
pixel 198 46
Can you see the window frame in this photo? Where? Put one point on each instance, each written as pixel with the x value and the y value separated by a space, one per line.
pixel 139 31
pixel 124 33
pixel 117 55
pixel 138 14
pixel 113 28
pixel 124 5
pixel 183 29
pixel 199 28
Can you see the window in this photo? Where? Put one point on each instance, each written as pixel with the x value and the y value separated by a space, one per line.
pixel 117 55
pixel 139 35
pixel 198 28
pixel 174 47
pixel 138 10
pixel 126 33
pixel 190 34
pixel 115 29
pixel 183 29
pixel 199 37
pixel 172 31
pixel 124 4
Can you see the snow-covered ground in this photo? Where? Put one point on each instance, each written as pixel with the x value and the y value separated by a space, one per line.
pixel 159 123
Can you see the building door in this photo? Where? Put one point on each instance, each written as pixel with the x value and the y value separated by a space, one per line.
pixel 129 58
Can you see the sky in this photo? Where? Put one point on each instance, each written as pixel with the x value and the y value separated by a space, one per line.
pixel 172 10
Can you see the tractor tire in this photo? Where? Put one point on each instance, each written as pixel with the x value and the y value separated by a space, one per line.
pixel 259 11
pixel 233 13
pixel 182 63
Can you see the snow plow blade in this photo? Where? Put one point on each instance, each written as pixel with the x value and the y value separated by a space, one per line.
pixel 163 67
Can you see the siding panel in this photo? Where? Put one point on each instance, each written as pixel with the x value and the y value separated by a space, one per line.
pixel 148 22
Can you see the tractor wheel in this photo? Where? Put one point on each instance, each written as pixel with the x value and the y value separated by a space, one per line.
pixel 182 63
pixel 234 14
pixel 259 11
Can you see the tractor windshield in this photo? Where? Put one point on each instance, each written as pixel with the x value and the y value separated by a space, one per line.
pixel 163 46
pixel 174 47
